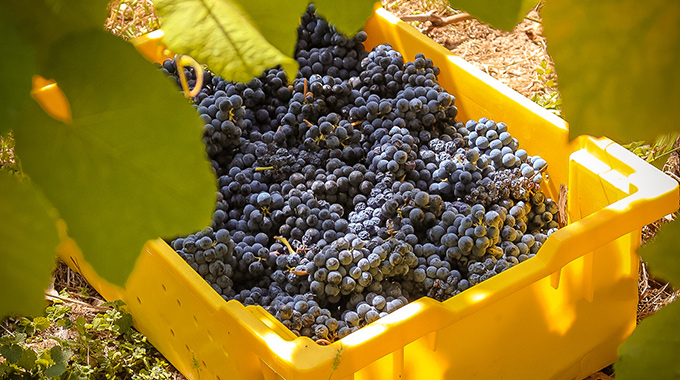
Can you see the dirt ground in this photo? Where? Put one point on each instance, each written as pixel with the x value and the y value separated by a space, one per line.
pixel 517 58
pixel 511 57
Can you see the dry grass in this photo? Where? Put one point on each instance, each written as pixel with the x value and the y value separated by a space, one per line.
pixel 132 18
pixel 511 57
pixel 654 294
pixel 73 282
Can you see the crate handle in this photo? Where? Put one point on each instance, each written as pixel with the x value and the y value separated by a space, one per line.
pixel 652 195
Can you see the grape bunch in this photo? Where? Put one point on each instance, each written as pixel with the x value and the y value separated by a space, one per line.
pixel 352 190
pixel 210 253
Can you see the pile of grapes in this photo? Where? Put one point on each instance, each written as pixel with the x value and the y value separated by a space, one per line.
pixel 354 190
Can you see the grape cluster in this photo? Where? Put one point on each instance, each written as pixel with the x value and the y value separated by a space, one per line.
pixel 353 190
pixel 210 253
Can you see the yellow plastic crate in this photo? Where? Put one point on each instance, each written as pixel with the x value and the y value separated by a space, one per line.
pixel 560 315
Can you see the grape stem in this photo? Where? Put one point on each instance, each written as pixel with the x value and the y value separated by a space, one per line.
pixel 285 242
pixel 182 62
pixel 297 272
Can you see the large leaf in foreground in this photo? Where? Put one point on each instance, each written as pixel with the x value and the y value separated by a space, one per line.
pixel 15 88
pixel 217 33
pixel 43 22
pixel 28 232
pixel 130 166
pixel 617 62
pixel 500 14
pixel 348 16
pixel 651 352
pixel 277 21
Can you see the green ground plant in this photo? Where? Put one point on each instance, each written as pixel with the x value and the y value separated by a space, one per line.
pixel 550 97
pixel 656 153
pixel 104 347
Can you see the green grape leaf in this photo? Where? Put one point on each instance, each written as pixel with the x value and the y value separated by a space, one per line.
pixel 348 17
pixel 28 359
pixel 277 21
pixel 28 231
pixel 20 337
pixel 617 64
pixel 15 89
pixel 651 352
pixel 130 166
pixel 217 33
pixel 55 369
pixel 41 323
pixel 43 22
pixel 662 254
pixel 60 355
pixel 80 323
pixel 124 322
pixel 12 353
pixel 500 14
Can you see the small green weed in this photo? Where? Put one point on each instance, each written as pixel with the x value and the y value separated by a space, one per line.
pixel 661 148
pixel 336 361
pixel 550 98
